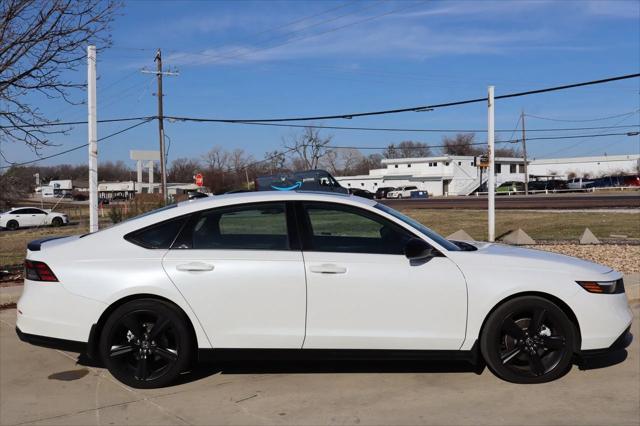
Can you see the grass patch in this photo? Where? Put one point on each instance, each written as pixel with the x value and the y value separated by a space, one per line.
pixel 539 225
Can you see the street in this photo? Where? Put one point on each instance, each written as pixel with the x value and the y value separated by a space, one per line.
pixel 42 386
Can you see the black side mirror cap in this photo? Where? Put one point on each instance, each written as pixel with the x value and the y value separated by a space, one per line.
pixel 417 249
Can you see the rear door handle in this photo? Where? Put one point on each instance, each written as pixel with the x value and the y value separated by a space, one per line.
pixel 195 266
pixel 328 269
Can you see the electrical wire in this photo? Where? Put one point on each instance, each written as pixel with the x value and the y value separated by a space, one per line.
pixel 583 121
pixel 421 108
pixel 71 123
pixel 76 147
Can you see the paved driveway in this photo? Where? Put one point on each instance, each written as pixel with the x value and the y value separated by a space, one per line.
pixel 42 386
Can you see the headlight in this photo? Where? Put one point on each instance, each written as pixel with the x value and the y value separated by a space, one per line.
pixel 603 287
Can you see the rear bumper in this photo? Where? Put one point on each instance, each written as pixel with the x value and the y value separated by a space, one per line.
pixel 52 342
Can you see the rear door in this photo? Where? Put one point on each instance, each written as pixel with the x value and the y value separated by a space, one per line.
pixel 241 270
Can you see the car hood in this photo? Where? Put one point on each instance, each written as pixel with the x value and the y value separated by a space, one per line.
pixel 525 259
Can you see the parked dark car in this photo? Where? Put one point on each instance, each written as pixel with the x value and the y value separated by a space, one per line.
pixel 310 180
pixel 192 195
pixel 103 201
pixel 382 192
pixel 547 185
pixel 361 193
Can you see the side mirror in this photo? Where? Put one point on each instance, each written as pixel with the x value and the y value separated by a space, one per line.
pixel 417 249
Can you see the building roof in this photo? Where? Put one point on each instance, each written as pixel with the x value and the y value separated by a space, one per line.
pixel 595 159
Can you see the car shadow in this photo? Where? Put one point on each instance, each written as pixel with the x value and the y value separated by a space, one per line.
pixel 603 361
pixel 204 370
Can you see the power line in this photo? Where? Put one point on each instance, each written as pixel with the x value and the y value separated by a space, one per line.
pixel 421 108
pixel 399 129
pixel 71 123
pixel 76 147
pixel 583 121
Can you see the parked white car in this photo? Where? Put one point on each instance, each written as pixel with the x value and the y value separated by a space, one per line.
pixel 402 192
pixel 279 273
pixel 23 217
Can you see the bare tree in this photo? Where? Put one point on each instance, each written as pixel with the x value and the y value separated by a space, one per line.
pixel 407 149
pixel 40 41
pixel 309 147
pixel 183 170
pixel 217 159
pixel 461 144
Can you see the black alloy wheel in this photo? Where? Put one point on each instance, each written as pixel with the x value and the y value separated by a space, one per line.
pixel 145 343
pixel 56 221
pixel 12 225
pixel 528 340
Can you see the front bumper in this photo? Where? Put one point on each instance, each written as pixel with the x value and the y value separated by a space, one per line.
pixel 599 356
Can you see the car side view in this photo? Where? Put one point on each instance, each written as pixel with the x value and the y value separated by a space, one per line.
pixel 311 274
pixel 23 217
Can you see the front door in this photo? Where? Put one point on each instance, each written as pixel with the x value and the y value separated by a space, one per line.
pixel 244 278
pixel 363 293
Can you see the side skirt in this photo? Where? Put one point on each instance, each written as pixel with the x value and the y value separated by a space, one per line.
pixel 225 354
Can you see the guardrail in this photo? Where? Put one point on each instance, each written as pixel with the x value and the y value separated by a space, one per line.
pixel 555 191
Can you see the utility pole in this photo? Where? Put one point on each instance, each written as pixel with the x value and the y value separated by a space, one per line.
pixel 492 177
pixel 524 153
pixel 93 138
pixel 163 161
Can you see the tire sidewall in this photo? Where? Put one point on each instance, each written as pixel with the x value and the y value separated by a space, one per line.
pixel 13 225
pixel 179 321
pixel 56 221
pixel 491 335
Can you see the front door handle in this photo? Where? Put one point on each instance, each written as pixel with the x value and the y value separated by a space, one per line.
pixel 328 268
pixel 195 267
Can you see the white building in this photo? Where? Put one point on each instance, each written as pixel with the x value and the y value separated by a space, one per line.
pixel 585 166
pixel 445 175
pixel 459 175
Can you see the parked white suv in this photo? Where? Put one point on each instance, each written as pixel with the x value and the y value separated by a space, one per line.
pixel 402 192
pixel 22 217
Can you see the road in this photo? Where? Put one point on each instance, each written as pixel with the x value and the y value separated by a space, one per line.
pixel 42 386
pixel 555 201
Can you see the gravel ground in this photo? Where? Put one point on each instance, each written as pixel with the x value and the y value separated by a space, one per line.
pixel 621 257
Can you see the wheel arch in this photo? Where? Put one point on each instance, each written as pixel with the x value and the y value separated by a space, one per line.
pixel 96 329
pixel 554 299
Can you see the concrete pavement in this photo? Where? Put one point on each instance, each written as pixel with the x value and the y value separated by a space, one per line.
pixel 43 386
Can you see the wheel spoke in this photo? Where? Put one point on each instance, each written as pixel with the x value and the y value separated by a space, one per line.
pixel 553 342
pixel 119 350
pixel 166 354
pixel 159 325
pixel 536 322
pixel 141 369
pixel 537 368
pixel 508 356
pixel 512 329
pixel 132 325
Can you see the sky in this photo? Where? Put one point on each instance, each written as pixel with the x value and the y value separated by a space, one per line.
pixel 269 59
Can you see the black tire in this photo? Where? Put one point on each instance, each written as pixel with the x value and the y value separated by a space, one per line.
pixel 518 351
pixel 56 222
pixel 135 354
pixel 13 225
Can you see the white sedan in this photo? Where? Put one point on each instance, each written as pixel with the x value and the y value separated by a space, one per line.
pixel 311 274
pixel 23 217
pixel 402 192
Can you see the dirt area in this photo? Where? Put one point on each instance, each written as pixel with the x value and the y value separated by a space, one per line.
pixel 621 257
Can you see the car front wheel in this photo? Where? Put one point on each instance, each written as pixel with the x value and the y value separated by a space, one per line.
pixel 528 340
pixel 12 225
pixel 145 343
pixel 56 222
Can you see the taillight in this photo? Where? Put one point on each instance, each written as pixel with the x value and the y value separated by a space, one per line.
pixel 38 271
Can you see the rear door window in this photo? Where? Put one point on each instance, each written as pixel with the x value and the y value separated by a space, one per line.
pixel 158 236
pixel 260 226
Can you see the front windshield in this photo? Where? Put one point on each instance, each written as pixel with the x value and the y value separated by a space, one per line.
pixel 448 245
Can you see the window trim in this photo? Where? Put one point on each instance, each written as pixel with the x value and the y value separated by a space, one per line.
pixel 304 223
pixel 293 240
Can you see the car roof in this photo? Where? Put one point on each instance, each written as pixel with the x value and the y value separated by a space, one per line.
pixel 262 196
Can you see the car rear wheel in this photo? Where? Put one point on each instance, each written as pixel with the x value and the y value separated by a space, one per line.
pixel 12 225
pixel 146 343
pixel 528 340
pixel 56 221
